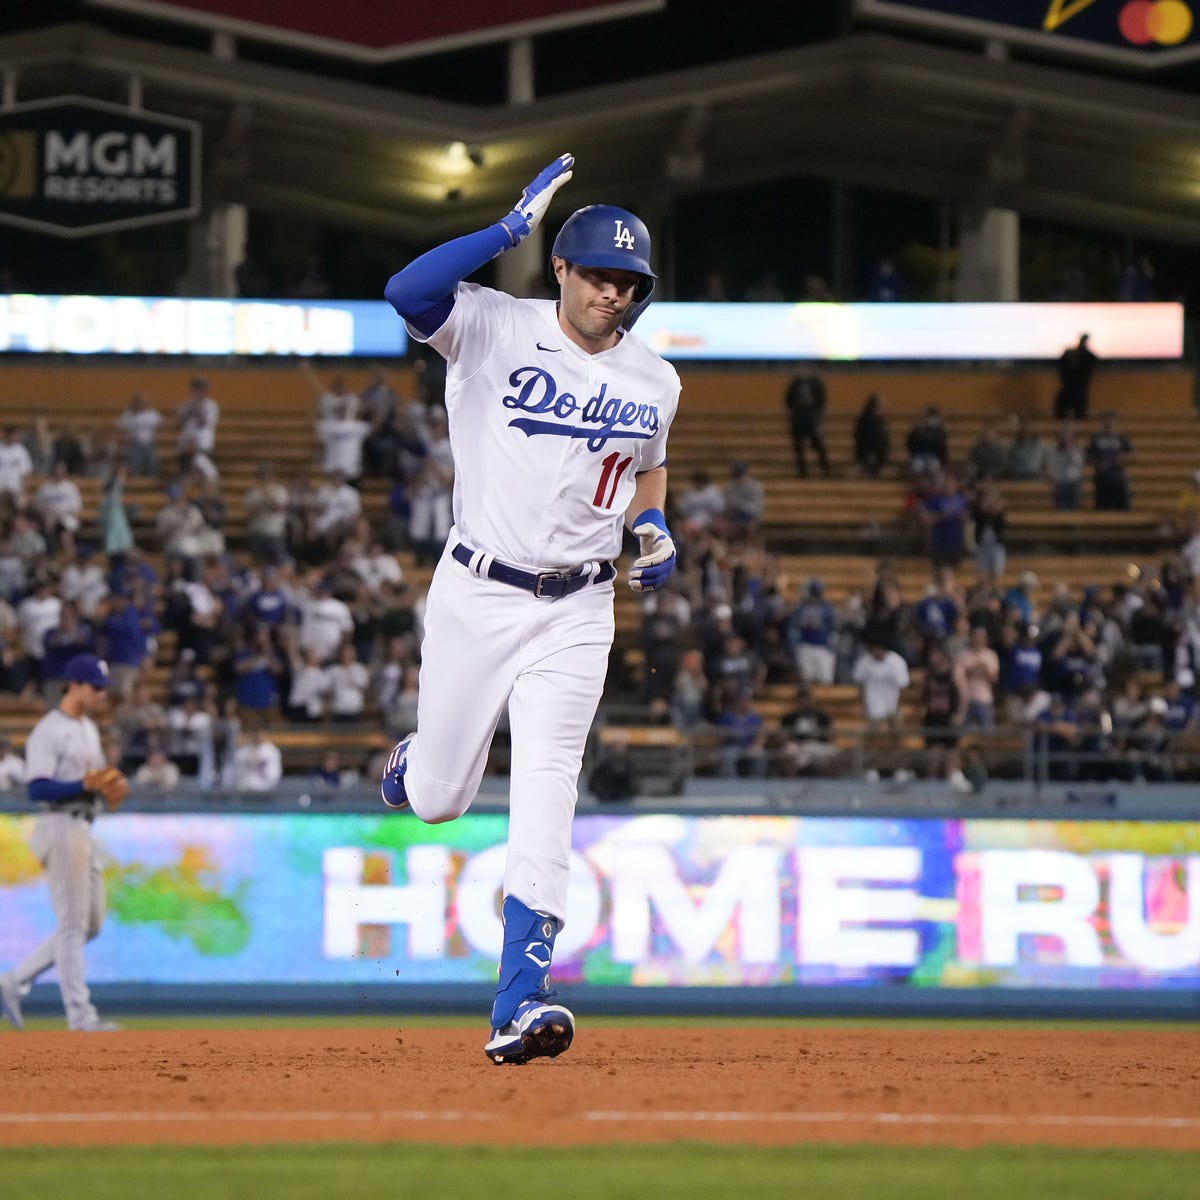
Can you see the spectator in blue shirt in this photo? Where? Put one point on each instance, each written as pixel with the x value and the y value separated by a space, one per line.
pixel 328 775
pixel 1021 662
pixel 1021 597
pixel 1073 664
pixel 812 629
pixel 126 646
pixel 944 517
pixel 131 568
pixel 258 667
pixel 185 682
pixel 1057 736
pixel 744 749
pixel 70 637
pixel 936 615
pixel 399 516
pixel 269 604
pixel 1181 703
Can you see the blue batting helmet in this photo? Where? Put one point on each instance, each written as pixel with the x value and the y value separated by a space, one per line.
pixel 603 235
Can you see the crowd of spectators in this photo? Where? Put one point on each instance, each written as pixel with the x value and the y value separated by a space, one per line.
pixel 303 617
pixel 304 620
pixel 1098 684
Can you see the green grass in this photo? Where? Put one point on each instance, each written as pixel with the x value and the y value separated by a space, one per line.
pixel 690 1172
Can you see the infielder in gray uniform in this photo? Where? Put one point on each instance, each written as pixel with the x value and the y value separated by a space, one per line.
pixel 69 782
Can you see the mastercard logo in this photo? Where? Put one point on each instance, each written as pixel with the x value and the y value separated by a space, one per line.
pixel 1164 22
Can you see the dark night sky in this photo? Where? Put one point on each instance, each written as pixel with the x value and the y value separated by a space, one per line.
pixel 788 220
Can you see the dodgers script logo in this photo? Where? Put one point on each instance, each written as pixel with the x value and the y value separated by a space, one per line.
pixel 600 418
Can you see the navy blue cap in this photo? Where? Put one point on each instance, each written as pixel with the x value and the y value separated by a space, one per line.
pixel 87 668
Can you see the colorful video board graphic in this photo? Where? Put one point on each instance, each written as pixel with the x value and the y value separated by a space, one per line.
pixel 656 901
pixel 115 325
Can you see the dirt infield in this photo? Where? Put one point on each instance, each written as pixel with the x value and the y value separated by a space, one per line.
pixel 759 1084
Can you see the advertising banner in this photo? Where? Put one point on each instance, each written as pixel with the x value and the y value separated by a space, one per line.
pixel 1138 33
pixel 890 332
pixel 75 167
pixel 164 326
pixel 684 332
pixel 656 901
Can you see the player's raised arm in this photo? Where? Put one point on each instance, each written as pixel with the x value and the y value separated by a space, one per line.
pixel 423 292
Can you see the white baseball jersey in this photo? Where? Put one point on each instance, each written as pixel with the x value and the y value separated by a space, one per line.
pixel 63 748
pixel 337 504
pixel 324 623
pixel 882 680
pixel 259 766
pixel 36 616
pixel 15 465
pixel 347 683
pixel 140 425
pixel 198 424
pixel 342 442
pixel 59 499
pixel 547 438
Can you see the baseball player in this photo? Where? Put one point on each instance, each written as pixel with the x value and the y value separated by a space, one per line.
pixel 67 779
pixel 558 421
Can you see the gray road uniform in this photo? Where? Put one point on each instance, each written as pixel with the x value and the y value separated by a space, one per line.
pixel 64 749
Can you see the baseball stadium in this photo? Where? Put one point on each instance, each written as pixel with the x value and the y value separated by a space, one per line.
pixel 455 743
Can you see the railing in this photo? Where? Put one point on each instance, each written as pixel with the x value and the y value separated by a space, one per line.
pixel 663 757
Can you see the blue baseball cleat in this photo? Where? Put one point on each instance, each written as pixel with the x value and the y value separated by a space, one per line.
pixel 537 1030
pixel 392 786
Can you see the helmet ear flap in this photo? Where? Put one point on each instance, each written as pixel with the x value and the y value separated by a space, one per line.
pixel 642 295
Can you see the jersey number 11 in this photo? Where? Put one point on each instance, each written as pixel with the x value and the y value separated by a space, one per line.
pixel 606 490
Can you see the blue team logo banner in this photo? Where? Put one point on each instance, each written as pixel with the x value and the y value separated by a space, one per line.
pixel 655 901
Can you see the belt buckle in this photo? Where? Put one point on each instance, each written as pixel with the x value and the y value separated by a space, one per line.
pixel 549 577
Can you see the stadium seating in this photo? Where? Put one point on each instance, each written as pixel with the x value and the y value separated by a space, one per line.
pixel 832 529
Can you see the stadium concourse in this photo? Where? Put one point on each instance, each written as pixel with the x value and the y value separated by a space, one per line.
pixel 707 681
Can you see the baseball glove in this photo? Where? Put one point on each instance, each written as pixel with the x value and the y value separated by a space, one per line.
pixel 109 784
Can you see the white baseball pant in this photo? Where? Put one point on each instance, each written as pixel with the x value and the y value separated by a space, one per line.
pixel 488 644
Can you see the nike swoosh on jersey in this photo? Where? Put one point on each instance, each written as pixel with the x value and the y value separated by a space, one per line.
pixel 550 349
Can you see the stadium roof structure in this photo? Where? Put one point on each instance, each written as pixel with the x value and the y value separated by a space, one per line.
pixel 867 108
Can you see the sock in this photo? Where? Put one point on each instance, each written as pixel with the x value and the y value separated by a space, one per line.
pixel 525 960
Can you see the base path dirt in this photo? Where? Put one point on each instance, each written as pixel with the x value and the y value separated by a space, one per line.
pixel 760 1084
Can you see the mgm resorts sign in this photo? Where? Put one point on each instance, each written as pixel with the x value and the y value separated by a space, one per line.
pixel 74 167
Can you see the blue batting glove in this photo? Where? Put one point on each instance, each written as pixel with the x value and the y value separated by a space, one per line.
pixel 528 212
pixel 653 567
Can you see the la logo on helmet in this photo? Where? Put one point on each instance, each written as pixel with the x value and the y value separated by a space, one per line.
pixel 624 236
